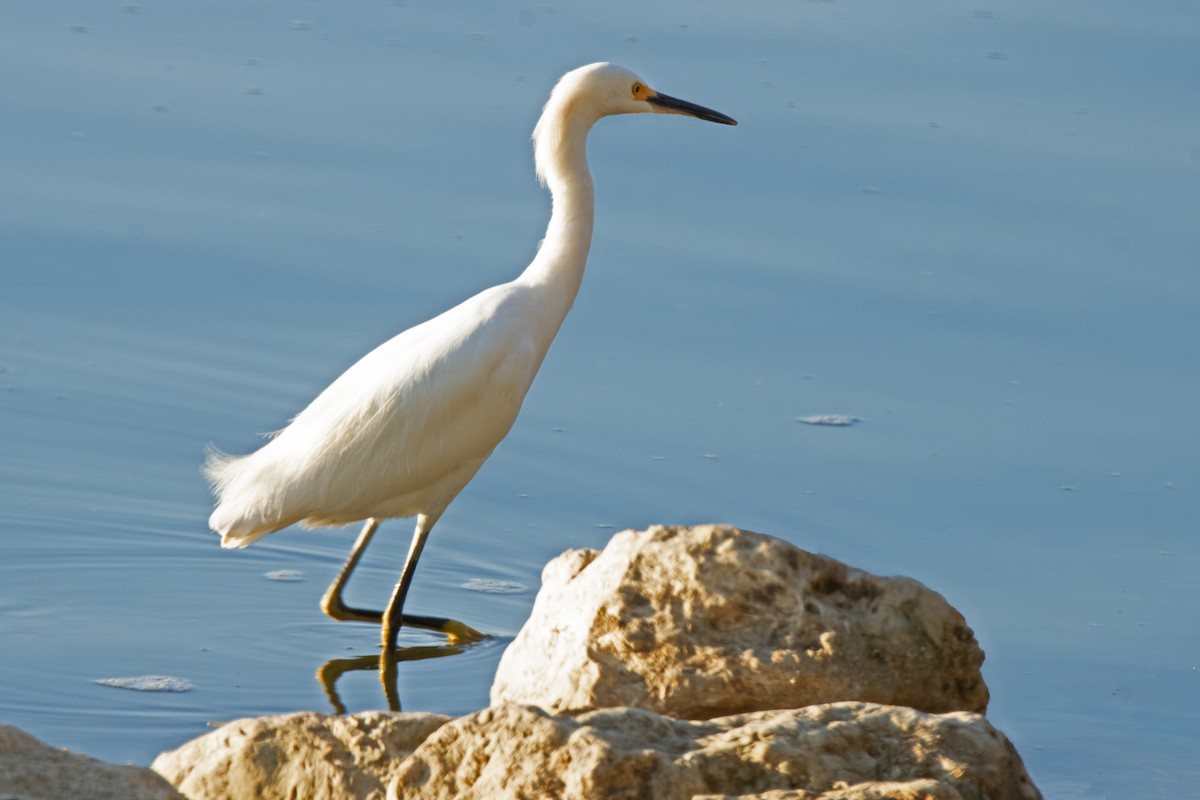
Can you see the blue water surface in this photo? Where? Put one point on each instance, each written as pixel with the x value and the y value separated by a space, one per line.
pixel 973 227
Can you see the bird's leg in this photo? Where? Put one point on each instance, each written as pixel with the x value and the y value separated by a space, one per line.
pixel 393 617
pixel 332 603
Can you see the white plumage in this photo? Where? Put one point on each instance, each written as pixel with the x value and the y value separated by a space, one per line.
pixel 401 432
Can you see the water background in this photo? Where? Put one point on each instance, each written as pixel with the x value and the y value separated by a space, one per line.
pixel 973 227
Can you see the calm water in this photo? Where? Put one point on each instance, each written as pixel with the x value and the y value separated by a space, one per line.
pixel 974 227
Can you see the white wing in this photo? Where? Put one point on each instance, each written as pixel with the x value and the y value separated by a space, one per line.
pixel 400 432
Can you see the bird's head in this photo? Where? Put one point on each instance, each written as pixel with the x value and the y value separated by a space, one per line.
pixel 599 90
pixel 586 94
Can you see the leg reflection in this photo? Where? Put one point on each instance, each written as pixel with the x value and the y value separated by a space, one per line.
pixel 329 672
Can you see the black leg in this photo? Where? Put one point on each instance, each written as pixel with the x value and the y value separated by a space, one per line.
pixel 393 617
pixel 333 605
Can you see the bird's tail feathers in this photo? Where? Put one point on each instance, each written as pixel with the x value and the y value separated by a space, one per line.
pixel 217 468
pixel 236 541
pixel 240 524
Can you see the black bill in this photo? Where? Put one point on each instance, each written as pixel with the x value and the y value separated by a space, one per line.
pixel 673 105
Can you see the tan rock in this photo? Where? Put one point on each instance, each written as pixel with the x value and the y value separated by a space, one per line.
pixel 33 770
pixel 711 620
pixel 872 790
pixel 841 751
pixel 307 755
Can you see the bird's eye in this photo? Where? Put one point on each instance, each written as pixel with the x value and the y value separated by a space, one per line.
pixel 637 90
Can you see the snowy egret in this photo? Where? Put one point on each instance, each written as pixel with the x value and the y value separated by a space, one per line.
pixel 403 430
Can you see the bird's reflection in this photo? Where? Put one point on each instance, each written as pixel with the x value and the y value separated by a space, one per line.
pixel 386 663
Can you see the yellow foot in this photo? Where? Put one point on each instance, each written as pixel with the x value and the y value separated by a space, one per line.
pixel 459 633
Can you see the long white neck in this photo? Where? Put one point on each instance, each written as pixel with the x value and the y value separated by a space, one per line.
pixel 560 146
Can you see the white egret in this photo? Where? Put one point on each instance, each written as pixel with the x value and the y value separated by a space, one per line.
pixel 403 430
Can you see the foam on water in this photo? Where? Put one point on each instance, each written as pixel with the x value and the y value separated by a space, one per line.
pixel 148 683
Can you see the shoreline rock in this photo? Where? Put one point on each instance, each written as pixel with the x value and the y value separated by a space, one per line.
pixel 847 751
pixel 303 755
pixel 514 751
pixel 30 769
pixel 710 620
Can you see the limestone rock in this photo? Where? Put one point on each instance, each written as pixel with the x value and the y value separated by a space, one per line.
pixel 840 751
pixel 711 620
pixel 33 770
pixel 872 790
pixel 309 755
